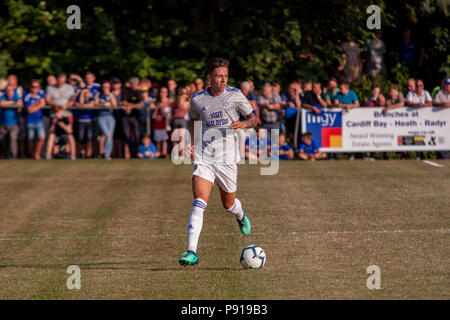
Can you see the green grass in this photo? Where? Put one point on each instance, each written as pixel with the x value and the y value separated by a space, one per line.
pixel 321 225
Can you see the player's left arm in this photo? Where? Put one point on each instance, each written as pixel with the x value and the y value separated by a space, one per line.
pixel 250 122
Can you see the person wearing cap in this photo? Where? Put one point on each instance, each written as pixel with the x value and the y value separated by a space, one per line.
pixel 442 98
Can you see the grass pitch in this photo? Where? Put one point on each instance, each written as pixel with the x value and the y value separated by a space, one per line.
pixel 124 223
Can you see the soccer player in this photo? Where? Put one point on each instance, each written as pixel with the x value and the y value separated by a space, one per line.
pixel 218 107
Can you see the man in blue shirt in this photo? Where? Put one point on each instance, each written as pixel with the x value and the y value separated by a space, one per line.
pixel 346 98
pixel 410 52
pixel 309 149
pixel 258 146
pixel 85 117
pixel 34 102
pixel 9 119
pixel 285 151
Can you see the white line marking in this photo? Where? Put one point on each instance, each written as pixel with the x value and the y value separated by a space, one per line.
pixel 431 163
pixel 144 236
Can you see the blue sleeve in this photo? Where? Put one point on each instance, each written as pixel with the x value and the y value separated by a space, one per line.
pixel 354 97
pixel 153 147
pixel 302 147
pixel 142 149
pixel 314 146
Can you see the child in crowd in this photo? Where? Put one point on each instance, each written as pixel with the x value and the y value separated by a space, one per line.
pixel 147 150
pixel 309 149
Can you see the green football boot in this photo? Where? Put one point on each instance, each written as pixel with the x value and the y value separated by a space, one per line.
pixel 188 258
pixel 245 225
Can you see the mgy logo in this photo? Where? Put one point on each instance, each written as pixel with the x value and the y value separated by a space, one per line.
pixel 326 119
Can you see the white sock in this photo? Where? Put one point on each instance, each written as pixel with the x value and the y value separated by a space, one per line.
pixel 236 209
pixel 195 223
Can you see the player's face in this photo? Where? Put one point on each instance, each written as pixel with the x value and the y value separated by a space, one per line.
pixel 219 78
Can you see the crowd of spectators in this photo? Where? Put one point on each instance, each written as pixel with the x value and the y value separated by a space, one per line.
pixel 75 117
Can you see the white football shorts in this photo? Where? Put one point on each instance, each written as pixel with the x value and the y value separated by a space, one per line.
pixel 226 175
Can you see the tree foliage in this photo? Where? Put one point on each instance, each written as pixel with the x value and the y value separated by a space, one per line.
pixel 264 40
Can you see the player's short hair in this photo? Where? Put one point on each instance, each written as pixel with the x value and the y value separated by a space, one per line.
pixel 217 63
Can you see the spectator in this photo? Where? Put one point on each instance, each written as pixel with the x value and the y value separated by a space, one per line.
pixel 198 85
pixel 410 52
pixel 257 147
pixel 34 102
pixel 172 87
pixel 180 108
pixel 307 86
pixel 346 98
pixel 145 85
pixel 3 84
pixel 332 91
pixel 309 149
pixel 193 88
pixel 19 92
pixel 76 81
pixel 116 89
pixel 147 150
pixel 395 99
pixel 159 122
pixel 85 117
pixel 411 86
pixel 106 121
pixel 146 112
pixel 269 106
pixel 376 99
pixel 374 52
pixel 14 82
pixel 61 133
pixel 62 94
pixel 155 90
pixel 285 151
pixel 51 81
pixel 251 97
pixel 442 97
pixel 130 116
pixel 313 99
pixel 352 60
pixel 9 120
pixel 420 97
pixel 293 105
pixel 276 88
pixel 440 87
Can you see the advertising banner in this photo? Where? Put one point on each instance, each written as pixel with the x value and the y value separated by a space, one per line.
pixel 370 130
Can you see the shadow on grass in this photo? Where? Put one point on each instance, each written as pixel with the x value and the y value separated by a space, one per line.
pixel 127 265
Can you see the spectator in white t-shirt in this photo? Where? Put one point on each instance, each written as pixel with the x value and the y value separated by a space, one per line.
pixel 420 97
pixel 442 97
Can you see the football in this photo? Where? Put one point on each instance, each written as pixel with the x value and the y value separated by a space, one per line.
pixel 253 257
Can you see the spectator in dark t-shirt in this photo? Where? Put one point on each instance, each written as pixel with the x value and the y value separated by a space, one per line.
pixel 410 52
pixel 130 116
pixel 313 99
pixel 61 132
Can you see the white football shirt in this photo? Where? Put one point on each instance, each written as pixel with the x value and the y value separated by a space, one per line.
pixel 219 141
